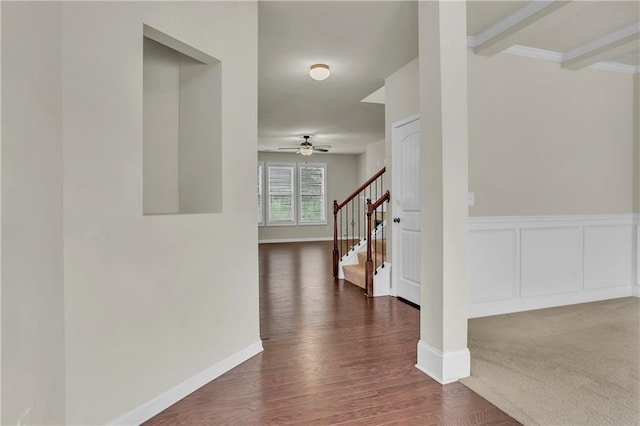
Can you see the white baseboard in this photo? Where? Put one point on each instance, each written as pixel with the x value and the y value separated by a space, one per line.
pixel 446 367
pixel 163 401
pixel 294 240
pixel 478 310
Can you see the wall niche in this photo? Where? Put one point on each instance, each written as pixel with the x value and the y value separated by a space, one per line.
pixel 182 143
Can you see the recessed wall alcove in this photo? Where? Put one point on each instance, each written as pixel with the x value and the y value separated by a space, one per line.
pixel 182 127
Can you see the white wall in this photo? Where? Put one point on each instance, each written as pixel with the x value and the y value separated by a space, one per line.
pixel 362 167
pixel 372 160
pixel 402 100
pixel 150 301
pixel 636 174
pixel 547 141
pixel 161 109
pixel 33 371
pixel 342 179
pixel 636 142
pixel 376 158
pixel 0 214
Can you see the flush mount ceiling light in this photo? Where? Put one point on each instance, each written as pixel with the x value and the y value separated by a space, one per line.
pixel 319 71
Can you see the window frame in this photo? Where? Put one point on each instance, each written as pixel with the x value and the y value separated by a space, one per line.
pixel 293 167
pixel 322 166
pixel 261 187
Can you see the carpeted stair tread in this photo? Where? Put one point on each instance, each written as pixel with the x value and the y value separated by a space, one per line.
pixel 377 260
pixel 355 274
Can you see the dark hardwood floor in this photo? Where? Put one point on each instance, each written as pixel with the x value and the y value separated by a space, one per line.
pixel 330 356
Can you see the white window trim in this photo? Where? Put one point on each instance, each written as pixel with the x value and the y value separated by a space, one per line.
pixel 261 176
pixel 293 222
pixel 299 196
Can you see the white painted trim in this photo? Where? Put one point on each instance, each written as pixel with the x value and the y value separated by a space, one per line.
pixel 405 121
pixel 615 67
pixel 445 367
pixel 170 397
pixel 351 258
pixel 477 310
pixel 294 240
pixel 600 42
pixel 636 288
pixel 175 44
pixel 481 222
pixel 382 281
pixel 557 57
pixel 520 15
pixel 505 294
pixel 534 53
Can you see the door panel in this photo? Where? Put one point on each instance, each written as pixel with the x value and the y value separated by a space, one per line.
pixel 406 208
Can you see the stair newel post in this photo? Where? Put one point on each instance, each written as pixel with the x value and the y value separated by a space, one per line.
pixel 368 270
pixel 336 253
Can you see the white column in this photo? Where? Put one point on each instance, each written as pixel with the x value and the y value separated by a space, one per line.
pixel 636 176
pixel 442 350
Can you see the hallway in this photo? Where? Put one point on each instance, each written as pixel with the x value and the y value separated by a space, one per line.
pixel 330 356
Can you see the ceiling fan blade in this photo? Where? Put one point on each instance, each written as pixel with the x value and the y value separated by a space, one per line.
pixel 323 146
pixel 288 148
pixel 320 149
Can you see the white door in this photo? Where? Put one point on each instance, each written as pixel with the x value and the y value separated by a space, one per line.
pixel 405 195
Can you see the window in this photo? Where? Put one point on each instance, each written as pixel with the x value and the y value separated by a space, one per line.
pixel 281 194
pixel 260 194
pixel 312 199
pixel 294 194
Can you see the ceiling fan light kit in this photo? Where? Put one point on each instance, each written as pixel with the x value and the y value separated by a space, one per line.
pixel 319 72
pixel 306 150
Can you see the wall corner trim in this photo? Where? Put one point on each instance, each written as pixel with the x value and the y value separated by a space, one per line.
pixel 447 367
pixel 161 402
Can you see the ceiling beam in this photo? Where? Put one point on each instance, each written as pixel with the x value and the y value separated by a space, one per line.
pixel 500 36
pixel 602 48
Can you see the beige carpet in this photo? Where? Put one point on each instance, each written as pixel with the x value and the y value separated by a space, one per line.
pixel 573 365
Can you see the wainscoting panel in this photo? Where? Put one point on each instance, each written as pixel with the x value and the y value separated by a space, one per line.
pixel 551 261
pixel 606 253
pixel 522 263
pixel 637 289
pixel 493 276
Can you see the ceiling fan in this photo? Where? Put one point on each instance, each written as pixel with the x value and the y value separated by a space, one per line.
pixel 307 148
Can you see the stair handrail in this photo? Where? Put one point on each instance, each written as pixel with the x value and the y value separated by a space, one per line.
pixel 354 194
pixel 337 207
pixel 368 269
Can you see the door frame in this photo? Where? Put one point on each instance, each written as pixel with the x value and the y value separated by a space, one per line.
pixel 395 260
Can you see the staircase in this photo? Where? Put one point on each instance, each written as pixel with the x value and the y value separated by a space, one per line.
pixel 356 273
pixel 359 245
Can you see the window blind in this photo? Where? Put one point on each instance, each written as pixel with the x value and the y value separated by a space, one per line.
pixel 312 194
pixel 281 193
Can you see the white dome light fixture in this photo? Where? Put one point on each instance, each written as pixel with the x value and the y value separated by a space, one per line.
pixel 319 72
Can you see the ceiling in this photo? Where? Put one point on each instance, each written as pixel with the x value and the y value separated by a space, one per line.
pixel 363 42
